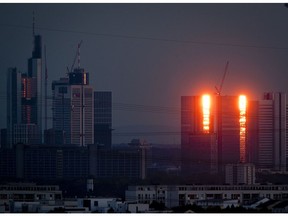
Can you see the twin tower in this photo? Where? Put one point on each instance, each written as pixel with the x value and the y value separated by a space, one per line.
pixel 220 130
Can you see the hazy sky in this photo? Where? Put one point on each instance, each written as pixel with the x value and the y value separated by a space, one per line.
pixel 149 55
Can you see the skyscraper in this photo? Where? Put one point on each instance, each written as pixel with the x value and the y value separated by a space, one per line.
pixel 228 130
pixel 73 108
pixel 253 132
pixel 221 117
pixel 273 132
pixel 103 118
pixel 32 88
pixel 198 139
pixel 13 103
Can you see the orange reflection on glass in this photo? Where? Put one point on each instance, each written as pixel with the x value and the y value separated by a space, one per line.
pixel 242 121
pixel 206 112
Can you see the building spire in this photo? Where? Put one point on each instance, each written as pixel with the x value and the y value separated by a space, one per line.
pixel 33 24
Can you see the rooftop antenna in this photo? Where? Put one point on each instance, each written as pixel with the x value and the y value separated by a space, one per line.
pixel 33 24
pixel 79 44
pixel 46 78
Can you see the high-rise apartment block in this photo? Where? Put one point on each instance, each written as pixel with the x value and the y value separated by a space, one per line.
pixel 73 108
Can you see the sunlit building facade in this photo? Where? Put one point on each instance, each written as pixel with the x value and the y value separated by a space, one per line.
pixel 224 120
pixel 73 108
pixel 198 139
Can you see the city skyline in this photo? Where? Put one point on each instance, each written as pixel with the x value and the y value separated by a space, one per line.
pixel 149 62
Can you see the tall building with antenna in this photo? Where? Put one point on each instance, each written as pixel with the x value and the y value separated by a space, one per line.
pixel 24 97
pixel 32 87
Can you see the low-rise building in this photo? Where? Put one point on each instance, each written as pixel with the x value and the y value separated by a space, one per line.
pixel 27 197
pixel 179 195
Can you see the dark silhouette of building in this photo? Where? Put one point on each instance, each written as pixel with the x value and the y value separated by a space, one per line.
pixel 228 131
pixel 253 132
pixel 52 162
pixel 4 138
pixel 54 137
pixel 202 154
pixel 103 118
pixel 13 103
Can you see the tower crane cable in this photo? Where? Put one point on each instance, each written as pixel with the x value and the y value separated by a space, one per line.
pixel 219 89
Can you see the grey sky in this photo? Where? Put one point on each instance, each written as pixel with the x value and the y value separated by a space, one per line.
pixel 153 61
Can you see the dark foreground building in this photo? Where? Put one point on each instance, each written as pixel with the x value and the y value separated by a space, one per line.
pixel 44 162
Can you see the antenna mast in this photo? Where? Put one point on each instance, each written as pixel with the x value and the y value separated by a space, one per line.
pixel 46 79
pixel 33 24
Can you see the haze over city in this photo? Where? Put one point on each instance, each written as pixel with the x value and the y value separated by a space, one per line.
pixel 149 55
pixel 143 108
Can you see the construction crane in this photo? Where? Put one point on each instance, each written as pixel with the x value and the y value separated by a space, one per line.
pixel 77 55
pixel 219 89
